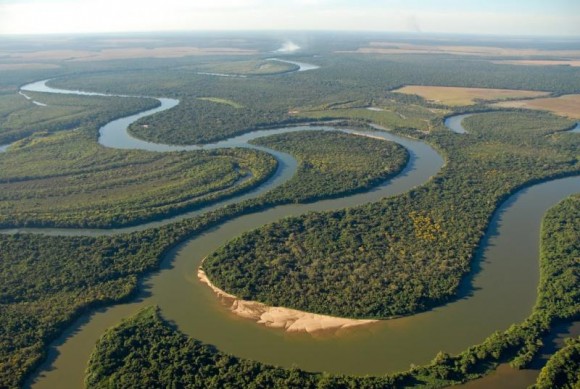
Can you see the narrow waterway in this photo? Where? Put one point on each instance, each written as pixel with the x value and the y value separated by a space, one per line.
pixel 302 66
pixel 454 123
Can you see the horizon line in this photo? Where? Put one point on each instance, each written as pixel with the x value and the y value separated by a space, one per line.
pixel 354 31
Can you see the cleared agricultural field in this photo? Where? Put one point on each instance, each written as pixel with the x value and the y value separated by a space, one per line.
pixel 539 62
pixel 19 66
pixel 387 47
pixel 126 53
pixel 567 105
pixel 454 96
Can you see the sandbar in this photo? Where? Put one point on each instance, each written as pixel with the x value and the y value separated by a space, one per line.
pixel 290 320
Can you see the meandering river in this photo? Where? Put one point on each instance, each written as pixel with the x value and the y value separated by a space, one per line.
pixel 501 290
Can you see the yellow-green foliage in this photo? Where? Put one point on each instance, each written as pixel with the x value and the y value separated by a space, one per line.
pixel 425 227
pixel 67 179
pixel 20 118
pixel 408 252
pixel 563 368
pixel 222 101
pixel 389 117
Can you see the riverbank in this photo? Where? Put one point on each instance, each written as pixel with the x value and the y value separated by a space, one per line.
pixel 289 320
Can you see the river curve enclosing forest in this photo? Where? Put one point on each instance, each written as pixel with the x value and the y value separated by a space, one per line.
pixel 501 291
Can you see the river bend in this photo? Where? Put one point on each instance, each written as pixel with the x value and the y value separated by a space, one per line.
pixel 503 292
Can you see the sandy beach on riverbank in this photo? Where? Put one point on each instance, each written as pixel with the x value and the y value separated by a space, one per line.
pixel 290 320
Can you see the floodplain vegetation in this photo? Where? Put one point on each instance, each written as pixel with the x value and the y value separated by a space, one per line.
pixel 387 113
pixel 39 299
pixel 202 120
pixel 563 368
pixel 145 351
pixel 332 164
pixel 407 253
pixel 82 184
pixel 20 117
pixel 66 179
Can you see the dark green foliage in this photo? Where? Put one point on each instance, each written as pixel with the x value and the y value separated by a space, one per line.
pixel 403 254
pixel 560 245
pixel 563 368
pixel 332 164
pixel 45 282
pixel 144 352
pixel 162 358
pixel 196 121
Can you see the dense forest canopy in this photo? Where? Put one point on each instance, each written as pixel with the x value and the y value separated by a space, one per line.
pixel 145 351
pixel 406 253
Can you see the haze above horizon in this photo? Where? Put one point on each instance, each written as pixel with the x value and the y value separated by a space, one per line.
pixel 507 17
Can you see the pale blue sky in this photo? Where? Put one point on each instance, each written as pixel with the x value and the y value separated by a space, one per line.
pixel 498 17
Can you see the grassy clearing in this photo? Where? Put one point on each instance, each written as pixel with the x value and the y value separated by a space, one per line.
pixel 567 105
pixel 385 118
pixel 222 101
pixel 125 53
pixel 385 112
pixel 484 51
pixel 457 96
pixel 539 62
